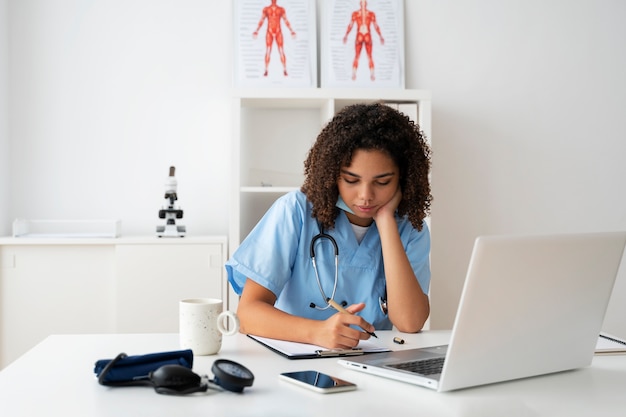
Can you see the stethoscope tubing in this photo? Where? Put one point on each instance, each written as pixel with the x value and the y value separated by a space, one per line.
pixel 319 236
pixel 322 235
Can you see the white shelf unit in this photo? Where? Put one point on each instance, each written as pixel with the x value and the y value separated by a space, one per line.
pixel 273 131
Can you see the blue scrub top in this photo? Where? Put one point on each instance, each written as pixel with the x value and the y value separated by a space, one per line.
pixel 276 255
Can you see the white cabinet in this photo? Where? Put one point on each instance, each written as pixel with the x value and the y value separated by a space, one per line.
pixel 273 131
pixel 151 279
pixel 47 289
pixel 123 285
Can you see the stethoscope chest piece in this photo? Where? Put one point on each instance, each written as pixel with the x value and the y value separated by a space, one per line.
pixel 383 305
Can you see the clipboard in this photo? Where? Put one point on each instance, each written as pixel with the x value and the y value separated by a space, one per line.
pixel 294 350
pixel 610 345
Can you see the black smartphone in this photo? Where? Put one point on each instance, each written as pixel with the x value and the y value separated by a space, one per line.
pixel 318 381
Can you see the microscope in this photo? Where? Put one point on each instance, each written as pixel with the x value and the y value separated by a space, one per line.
pixel 170 211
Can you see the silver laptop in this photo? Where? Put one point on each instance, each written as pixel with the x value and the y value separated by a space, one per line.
pixel 531 305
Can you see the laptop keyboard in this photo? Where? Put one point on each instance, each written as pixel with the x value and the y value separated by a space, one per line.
pixel 422 366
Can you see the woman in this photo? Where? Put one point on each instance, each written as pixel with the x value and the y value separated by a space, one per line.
pixel 366 185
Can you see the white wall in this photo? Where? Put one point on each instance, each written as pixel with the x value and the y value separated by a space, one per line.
pixel 4 116
pixel 528 110
pixel 105 96
pixel 528 105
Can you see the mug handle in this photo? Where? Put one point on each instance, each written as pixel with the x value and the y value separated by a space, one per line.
pixel 222 323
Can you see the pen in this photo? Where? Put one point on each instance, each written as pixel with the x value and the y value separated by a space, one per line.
pixel 339 308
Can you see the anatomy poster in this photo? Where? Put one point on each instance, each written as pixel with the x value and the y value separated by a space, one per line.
pixel 275 43
pixel 363 43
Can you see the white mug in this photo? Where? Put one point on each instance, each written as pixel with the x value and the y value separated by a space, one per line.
pixel 202 324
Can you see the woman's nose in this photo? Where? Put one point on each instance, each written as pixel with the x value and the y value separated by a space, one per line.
pixel 366 193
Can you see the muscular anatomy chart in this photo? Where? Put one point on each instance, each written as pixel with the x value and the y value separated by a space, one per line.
pixel 275 43
pixel 363 43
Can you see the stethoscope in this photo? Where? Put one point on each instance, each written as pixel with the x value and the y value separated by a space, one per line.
pixel 323 235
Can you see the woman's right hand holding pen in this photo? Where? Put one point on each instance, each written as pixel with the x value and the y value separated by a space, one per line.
pixel 337 331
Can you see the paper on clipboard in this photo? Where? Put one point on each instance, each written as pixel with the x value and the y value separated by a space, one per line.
pixel 294 350
pixel 610 345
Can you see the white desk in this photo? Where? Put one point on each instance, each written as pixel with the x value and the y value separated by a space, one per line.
pixel 56 378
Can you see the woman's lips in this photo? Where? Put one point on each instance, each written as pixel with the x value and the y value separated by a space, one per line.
pixel 366 209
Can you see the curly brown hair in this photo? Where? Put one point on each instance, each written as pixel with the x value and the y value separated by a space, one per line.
pixel 368 127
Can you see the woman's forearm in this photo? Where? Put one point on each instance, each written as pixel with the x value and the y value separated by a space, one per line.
pixel 407 304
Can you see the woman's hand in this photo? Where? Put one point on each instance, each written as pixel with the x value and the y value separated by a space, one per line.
pixel 258 316
pixel 389 208
pixel 336 333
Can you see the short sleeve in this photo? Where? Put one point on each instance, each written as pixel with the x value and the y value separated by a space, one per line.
pixel 268 253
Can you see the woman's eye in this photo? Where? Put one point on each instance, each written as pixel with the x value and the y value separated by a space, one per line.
pixel 384 183
pixel 349 181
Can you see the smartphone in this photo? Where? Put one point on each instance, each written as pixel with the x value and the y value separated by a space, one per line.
pixel 318 381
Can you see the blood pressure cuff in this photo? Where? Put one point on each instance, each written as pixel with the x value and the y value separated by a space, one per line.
pixel 134 370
